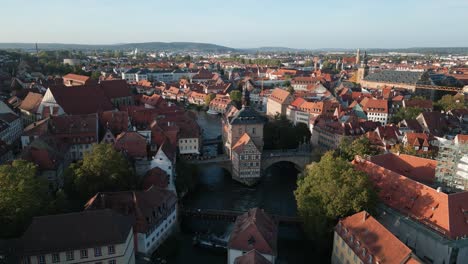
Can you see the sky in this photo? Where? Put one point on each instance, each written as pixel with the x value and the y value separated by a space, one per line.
pixel 308 24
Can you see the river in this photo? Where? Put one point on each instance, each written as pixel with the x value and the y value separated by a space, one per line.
pixel 216 190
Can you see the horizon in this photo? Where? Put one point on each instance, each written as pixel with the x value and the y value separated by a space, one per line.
pixel 238 48
pixel 298 24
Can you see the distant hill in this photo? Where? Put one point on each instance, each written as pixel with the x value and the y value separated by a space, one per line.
pixel 213 48
pixel 273 49
pixel 147 46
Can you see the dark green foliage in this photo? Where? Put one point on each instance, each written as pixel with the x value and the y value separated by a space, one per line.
pixel 449 102
pixel 348 149
pixel 280 133
pixel 329 190
pixel 102 169
pixel 22 196
pixel 407 113
pixel 186 176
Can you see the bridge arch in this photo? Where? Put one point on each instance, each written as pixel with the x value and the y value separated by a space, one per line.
pixel 299 162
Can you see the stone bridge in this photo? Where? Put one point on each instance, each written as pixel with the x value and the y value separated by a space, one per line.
pixel 299 157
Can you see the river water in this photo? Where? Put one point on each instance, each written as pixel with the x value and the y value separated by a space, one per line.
pixel 216 190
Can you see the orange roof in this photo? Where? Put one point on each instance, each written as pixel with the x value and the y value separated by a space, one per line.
pixel 279 95
pixel 76 77
pixel 298 102
pixel 375 105
pixel 416 168
pixel 462 138
pixel 444 213
pixel 243 140
pixel 367 237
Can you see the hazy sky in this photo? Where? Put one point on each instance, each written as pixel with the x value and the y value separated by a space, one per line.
pixel 239 23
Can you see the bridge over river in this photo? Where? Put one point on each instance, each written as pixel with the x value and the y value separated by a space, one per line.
pixel 300 157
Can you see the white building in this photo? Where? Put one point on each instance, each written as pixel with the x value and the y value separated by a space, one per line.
pixel 97 236
pixel 11 127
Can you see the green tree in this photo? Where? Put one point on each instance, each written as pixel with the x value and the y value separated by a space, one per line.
pixel 361 146
pixel 406 114
pixel 209 98
pixel 22 196
pixel 282 134
pixel 95 75
pixel 329 190
pixel 102 169
pixel 291 90
pixel 449 102
pixel 236 97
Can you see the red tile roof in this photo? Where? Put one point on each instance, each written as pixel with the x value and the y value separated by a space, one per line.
pixel 76 77
pixel 81 100
pixel 416 168
pixel 279 95
pixel 367 237
pixel 444 213
pixel 115 88
pixel 156 177
pixel 31 102
pixel 254 230
pixel 116 121
pixel 147 207
pixel 131 143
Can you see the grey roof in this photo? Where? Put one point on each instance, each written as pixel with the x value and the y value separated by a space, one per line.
pixel 406 77
pixel 87 229
pixel 247 115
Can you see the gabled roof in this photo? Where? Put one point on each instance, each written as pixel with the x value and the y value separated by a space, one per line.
pixel 31 102
pixel 416 168
pixel 74 231
pixel 444 213
pixel 279 95
pixel 254 230
pixel 81 100
pixel 243 141
pixel 155 177
pixel 132 144
pixel 145 207
pixel 368 238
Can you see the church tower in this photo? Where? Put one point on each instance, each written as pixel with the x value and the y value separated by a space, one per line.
pixel 358 57
pixel 363 69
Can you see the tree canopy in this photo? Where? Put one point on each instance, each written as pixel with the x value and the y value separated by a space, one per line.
pixel 282 134
pixel 22 196
pixel 331 189
pixel 236 97
pixel 449 102
pixel 360 146
pixel 406 114
pixel 102 169
pixel 209 98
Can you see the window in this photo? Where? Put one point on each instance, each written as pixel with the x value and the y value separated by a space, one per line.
pixel 41 259
pixel 84 253
pixel 55 258
pixel 111 250
pixel 97 252
pixel 112 261
pixel 70 255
